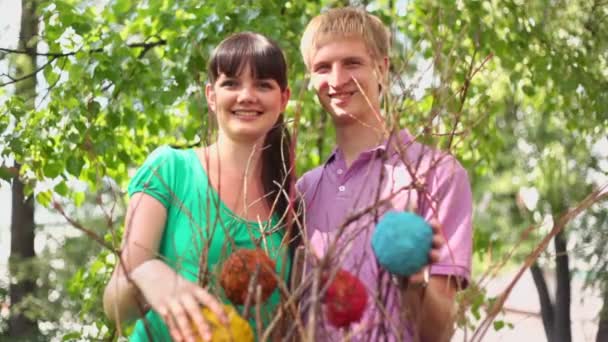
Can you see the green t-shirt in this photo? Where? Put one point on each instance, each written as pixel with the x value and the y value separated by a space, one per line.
pixel 198 220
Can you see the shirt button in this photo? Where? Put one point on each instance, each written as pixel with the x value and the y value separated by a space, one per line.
pixel 341 188
pixel 339 171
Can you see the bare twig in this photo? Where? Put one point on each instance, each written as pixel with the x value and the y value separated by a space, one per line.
pixel 593 198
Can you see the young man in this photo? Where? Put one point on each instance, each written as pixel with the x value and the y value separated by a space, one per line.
pixel 371 171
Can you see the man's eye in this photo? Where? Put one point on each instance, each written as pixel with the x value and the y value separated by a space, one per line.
pixel 321 69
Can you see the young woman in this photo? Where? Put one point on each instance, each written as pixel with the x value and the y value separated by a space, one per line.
pixel 189 208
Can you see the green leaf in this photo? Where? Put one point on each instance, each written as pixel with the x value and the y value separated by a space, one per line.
pixel 44 198
pixel 529 90
pixel 79 198
pixel 72 336
pixel 74 165
pixel 5 173
pixel 62 188
pixel 499 325
pixel 52 168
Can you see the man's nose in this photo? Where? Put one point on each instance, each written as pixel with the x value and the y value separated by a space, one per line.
pixel 338 77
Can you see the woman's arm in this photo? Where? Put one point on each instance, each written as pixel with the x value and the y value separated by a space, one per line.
pixel 176 299
pixel 144 226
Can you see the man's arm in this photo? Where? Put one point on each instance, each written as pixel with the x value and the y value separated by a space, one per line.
pixel 431 308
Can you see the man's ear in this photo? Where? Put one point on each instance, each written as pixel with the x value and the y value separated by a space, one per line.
pixel 381 71
pixel 383 67
pixel 386 63
pixel 210 95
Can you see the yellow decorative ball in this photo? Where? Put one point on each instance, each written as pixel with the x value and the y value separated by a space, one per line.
pixel 238 329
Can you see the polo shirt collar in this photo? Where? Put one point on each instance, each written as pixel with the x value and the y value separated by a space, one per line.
pixel 403 136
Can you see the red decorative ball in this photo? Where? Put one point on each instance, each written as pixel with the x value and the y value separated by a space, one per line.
pixel 238 270
pixel 345 299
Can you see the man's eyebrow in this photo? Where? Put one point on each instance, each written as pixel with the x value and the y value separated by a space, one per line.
pixel 320 63
pixel 354 59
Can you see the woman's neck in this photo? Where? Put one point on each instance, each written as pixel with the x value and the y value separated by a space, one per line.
pixel 235 172
pixel 233 158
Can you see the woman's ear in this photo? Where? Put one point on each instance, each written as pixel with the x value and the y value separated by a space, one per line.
pixel 285 95
pixel 210 95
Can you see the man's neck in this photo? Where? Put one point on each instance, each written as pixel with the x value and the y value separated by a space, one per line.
pixel 357 137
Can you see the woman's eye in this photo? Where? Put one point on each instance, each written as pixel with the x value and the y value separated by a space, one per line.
pixel 266 85
pixel 228 83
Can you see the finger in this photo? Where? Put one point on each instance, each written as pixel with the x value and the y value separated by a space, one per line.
pixel 435 225
pixel 438 241
pixel 168 318
pixel 417 277
pixel 434 256
pixel 181 320
pixel 193 308
pixel 212 304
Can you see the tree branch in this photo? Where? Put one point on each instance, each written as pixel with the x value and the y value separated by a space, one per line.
pixel 145 46
pixel 30 75
pixel 594 197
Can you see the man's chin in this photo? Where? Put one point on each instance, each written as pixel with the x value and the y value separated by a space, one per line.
pixel 343 118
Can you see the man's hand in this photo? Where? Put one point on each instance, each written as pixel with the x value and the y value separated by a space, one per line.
pixel 434 254
pixel 430 300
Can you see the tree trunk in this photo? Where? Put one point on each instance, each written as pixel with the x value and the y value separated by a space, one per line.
pixel 22 251
pixel 562 322
pixel 22 218
pixel 546 306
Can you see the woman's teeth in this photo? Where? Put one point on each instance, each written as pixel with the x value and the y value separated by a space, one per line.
pixel 246 113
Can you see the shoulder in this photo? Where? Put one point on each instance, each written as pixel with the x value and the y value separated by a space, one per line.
pixel 430 160
pixel 307 181
pixel 169 161
pixel 162 170
pixel 165 154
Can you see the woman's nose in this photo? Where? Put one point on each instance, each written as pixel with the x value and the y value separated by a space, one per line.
pixel 247 94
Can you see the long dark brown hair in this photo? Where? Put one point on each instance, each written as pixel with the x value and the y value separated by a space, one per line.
pixel 266 61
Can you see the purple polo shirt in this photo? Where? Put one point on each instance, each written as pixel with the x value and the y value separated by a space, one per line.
pixel 334 194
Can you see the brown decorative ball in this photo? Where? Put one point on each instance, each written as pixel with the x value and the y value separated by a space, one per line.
pixel 238 270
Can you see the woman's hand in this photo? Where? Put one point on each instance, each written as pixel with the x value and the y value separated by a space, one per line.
pixel 177 300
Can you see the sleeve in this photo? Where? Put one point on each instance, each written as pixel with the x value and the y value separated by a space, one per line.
pixel 452 205
pixel 155 177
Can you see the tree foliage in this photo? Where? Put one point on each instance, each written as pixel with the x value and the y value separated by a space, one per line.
pixel 517 90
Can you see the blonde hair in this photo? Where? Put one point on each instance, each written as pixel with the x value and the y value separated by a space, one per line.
pixel 344 23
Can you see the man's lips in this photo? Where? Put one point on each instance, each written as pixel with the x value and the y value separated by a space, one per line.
pixel 341 95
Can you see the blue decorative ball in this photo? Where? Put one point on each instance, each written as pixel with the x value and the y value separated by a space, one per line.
pixel 401 242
